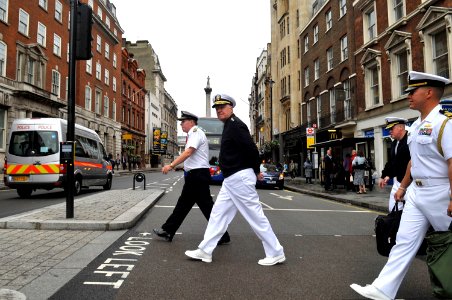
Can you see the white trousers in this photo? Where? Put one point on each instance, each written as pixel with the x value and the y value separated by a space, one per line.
pixel 424 206
pixel 238 193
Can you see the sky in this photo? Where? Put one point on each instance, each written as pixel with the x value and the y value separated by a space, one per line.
pixel 194 39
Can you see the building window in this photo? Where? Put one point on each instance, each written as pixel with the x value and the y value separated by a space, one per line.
pixel 107 51
pixel 99 44
pixel 114 83
pixel 370 26
pixel 97 100
pixel 332 97
pixel 398 9
pixel 114 60
pixel 2 128
pixel 329 58
pixel 113 110
pixel 342 8
pixel 316 69
pixel 99 12
pixel 316 33
pixel 4 10
pixel 107 22
pixel 402 71
pixel 58 11
pixel 347 100
pixel 87 98
pixel 56 83
pixel 318 100
pixel 23 21
pixel 89 66
pixel 436 37
pixel 29 78
pixel 344 48
pixel 329 20
pixel 115 32
pixel 106 106
pixel 372 84
pixel 43 4
pixel 440 54
pixel 41 39
pixel 2 59
pixel 98 71
pixel 306 76
pixel 306 43
pixel 56 45
pixel 106 77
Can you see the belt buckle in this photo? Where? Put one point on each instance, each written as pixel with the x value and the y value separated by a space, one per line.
pixel 418 182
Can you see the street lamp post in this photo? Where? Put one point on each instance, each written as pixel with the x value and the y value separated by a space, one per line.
pixel 270 83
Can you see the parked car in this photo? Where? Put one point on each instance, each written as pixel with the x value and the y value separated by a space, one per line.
pixel 216 176
pixel 273 177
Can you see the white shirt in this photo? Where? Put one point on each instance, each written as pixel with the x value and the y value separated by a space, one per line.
pixel 426 161
pixel 200 158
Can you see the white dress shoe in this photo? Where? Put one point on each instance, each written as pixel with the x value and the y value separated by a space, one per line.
pixel 199 255
pixel 369 291
pixel 270 261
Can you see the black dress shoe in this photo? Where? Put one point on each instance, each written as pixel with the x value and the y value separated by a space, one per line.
pixel 224 240
pixel 163 234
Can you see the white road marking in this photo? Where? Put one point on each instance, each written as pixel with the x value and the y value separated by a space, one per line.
pixel 282 197
pixel 269 207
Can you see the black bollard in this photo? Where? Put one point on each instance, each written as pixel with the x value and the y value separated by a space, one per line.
pixel 139 177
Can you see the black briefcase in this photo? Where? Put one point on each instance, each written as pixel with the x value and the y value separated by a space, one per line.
pixel 386 227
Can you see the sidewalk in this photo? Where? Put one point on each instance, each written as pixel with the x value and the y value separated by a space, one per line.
pixel 377 199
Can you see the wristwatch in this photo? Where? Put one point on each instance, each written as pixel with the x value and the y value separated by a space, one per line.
pixel 171 165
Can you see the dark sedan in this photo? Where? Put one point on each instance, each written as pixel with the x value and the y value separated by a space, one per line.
pixel 273 177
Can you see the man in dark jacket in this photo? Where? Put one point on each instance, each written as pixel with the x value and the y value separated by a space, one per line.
pixel 328 170
pixel 239 162
pixel 399 157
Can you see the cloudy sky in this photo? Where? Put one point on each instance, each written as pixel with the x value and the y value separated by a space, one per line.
pixel 195 39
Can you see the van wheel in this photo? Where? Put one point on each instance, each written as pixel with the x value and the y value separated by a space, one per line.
pixel 107 185
pixel 24 192
pixel 77 186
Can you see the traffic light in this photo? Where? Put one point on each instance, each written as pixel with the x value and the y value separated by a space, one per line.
pixel 84 38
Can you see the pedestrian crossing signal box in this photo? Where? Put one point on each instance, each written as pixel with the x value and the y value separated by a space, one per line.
pixel 67 153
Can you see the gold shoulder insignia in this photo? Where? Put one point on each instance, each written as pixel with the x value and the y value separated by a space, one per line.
pixel 195 129
pixel 446 113
pixel 232 119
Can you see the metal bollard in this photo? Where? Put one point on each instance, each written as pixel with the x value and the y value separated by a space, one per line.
pixel 139 177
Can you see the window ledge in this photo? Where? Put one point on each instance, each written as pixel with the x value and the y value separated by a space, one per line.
pixel 400 98
pixel 374 107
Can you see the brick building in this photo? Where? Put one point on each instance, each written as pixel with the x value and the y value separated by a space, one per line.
pixel 133 108
pixel 392 38
pixel 34 45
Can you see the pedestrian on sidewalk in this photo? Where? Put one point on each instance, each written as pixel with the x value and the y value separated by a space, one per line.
pixel 239 161
pixel 308 170
pixel 399 157
pixel 428 200
pixel 118 161
pixel 346 164
pixel 196 187
pixel 292 169
pixel 359 166
pixel 328 170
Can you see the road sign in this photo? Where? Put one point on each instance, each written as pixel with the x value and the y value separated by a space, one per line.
pixel 127 136
pixel 310 131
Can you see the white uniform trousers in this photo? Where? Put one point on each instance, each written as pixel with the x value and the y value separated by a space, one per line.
pixel 425 205
pixel 395 187
pixel 238 192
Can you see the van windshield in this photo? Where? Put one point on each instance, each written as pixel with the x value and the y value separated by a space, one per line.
pixel 34 143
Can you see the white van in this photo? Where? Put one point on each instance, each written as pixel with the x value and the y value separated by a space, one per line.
pixel 33 157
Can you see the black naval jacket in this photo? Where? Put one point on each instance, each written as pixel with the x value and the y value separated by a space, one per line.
pixel 238 151
pixel 396 165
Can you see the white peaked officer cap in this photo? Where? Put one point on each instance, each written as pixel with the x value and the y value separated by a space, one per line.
pixel 185 115
pixel 392 121
pixel 223 99
pixel 420 79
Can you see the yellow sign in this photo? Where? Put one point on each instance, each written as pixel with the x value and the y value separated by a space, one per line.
pixel 127 136
pixel 310 140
